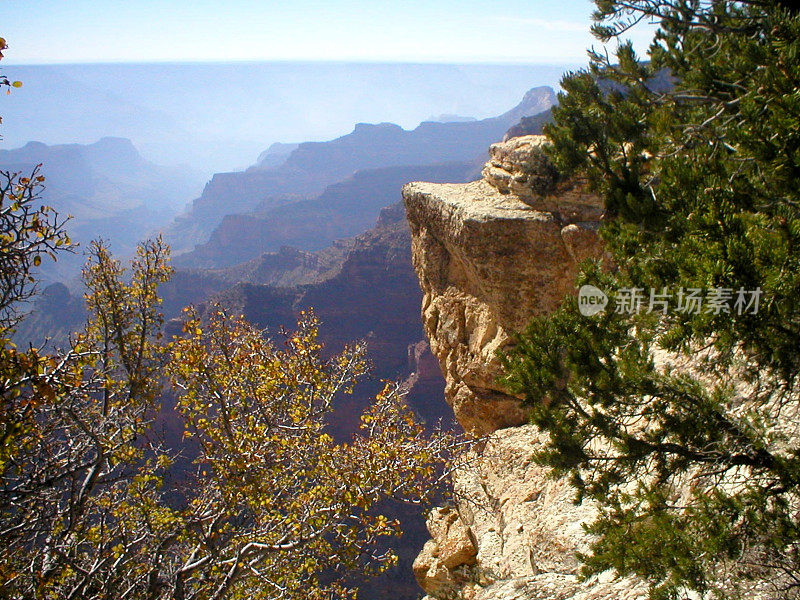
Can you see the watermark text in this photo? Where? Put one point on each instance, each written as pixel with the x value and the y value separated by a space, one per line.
pixel 592 300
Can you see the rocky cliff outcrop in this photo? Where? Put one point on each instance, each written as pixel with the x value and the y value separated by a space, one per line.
pixel 512 533
pixel 489 259
pixel 490 255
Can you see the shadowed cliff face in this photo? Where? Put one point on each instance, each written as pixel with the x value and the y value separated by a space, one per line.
pixel 374 295
pixel 344 209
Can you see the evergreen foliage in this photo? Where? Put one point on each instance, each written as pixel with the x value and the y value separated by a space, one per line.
pixel 681 424
pixel 541 174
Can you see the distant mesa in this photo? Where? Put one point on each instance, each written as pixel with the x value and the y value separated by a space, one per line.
pixel 108 188
pixel 370 128
pixel 106 154
pixel 180 118
pixel 274 156
pixel 343 209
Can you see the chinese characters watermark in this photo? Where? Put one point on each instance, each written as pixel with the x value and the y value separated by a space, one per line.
pixel 592 300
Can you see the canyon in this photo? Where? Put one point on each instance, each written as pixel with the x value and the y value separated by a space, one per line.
pixel 321 185
pixel 481 256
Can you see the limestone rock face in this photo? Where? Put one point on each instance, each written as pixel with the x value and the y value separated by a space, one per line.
pixel 490 255
pixel 488 262
pixel 513 533
pixel 513 163
pixel 443 565
pixel 516 167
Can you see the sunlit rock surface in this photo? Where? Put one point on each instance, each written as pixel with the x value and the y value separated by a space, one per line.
pixel 487 262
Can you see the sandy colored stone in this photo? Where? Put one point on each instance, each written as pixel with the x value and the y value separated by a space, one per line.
pixel 511 163
pixel 512 169
pixel 490 255
pixel 432 575
pixel 445 559
pixel 453 538
pixel 525 522
pixel 526 527
pixel 487 263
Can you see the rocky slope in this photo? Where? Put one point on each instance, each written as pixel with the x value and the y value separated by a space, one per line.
pixel 56 313
pixel 490 255
pixel 372 294
pixel 290 266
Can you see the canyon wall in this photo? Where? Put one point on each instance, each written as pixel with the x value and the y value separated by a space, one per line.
pixel 489 256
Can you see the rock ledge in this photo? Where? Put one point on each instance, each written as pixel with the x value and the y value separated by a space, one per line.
pixel 487 263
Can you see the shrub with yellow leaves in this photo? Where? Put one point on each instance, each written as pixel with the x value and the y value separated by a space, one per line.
pixel 258 409
pixel 276 508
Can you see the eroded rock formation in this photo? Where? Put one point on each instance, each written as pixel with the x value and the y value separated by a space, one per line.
pixel 490 255
pixel 488 260
pixel 512 533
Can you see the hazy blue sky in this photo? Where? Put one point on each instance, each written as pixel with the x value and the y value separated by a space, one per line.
pixel 59 31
